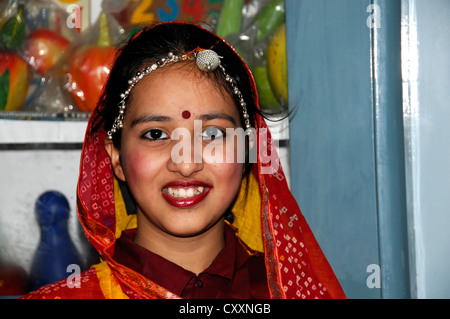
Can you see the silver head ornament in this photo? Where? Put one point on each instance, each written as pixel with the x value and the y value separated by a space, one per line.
pixel 206 60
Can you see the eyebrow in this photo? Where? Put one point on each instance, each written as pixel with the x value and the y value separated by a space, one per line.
pixel 213 116
pixel 162 118
pixel 150 118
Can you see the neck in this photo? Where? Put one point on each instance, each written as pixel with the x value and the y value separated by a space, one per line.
pixel 193 253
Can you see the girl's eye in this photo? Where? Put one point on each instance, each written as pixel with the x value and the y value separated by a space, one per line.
pixel 156 134
pixel 212 133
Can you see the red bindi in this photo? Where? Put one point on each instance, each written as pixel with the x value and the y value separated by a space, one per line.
pixel 186 114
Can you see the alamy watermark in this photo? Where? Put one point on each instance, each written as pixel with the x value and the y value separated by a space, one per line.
pixel 74 18
pixel 74 279
pixel 374 279
pixel 374 19
pixel 229 149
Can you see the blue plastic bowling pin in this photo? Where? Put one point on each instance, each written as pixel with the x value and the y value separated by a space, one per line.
pixel 56 250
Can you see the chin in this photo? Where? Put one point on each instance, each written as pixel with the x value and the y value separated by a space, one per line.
pixel 190 227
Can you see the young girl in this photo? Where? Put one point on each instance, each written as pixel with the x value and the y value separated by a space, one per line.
pixel 177 201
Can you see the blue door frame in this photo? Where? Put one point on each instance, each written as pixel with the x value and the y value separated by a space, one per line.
pixel 346 138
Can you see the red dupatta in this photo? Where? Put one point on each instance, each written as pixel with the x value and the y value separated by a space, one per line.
pixel 267 219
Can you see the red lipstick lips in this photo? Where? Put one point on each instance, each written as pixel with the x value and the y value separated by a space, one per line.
pixel 185 194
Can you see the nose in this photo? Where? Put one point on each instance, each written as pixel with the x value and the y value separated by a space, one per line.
pixel 186 157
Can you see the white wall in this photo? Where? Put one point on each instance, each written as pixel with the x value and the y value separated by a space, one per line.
pixel 96 8
pixel 427 135
pixel 26 174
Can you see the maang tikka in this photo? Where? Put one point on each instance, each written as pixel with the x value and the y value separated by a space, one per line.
pixel 207 61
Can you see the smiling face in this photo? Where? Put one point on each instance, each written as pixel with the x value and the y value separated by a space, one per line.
pixel 182 199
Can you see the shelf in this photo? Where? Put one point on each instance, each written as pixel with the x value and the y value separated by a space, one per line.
pixel 41 131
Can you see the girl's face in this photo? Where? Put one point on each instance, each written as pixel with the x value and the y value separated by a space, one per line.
pixel 178 198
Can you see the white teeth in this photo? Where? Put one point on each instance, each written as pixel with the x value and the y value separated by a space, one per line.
pixel 185 192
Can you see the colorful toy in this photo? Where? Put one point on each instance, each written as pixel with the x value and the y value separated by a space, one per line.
pixel 277 65
pixel 12 32
pixel 270 18
pixel 262 43
pixel 267 98
pixel 14 78
pixel 230 20
pixel 89 68
pixel 55 251
pixel 44 48
pixel 144 12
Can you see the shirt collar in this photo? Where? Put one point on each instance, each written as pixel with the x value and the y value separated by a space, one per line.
pixel 225 262
pixel 166 273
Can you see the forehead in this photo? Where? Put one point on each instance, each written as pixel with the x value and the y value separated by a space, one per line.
pixel 181 85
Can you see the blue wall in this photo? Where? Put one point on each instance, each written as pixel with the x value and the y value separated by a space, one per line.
pixel 346 138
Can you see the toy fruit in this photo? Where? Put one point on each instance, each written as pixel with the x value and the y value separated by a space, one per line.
pixel 89 69
pixel 14 76
pixel 44 48
pixel 12 31
pixel 270 18
pixel 267 99
pixel 277 64
pixel 230 20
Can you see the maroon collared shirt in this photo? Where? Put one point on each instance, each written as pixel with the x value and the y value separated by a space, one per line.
pixel 234 273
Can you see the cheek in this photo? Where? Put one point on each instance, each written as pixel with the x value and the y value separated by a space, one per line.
pixel 229 175
pixel 140 166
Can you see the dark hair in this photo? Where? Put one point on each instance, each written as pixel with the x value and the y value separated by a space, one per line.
pixel 154 43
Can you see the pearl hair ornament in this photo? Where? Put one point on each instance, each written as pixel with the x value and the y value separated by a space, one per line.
pixel 206 60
